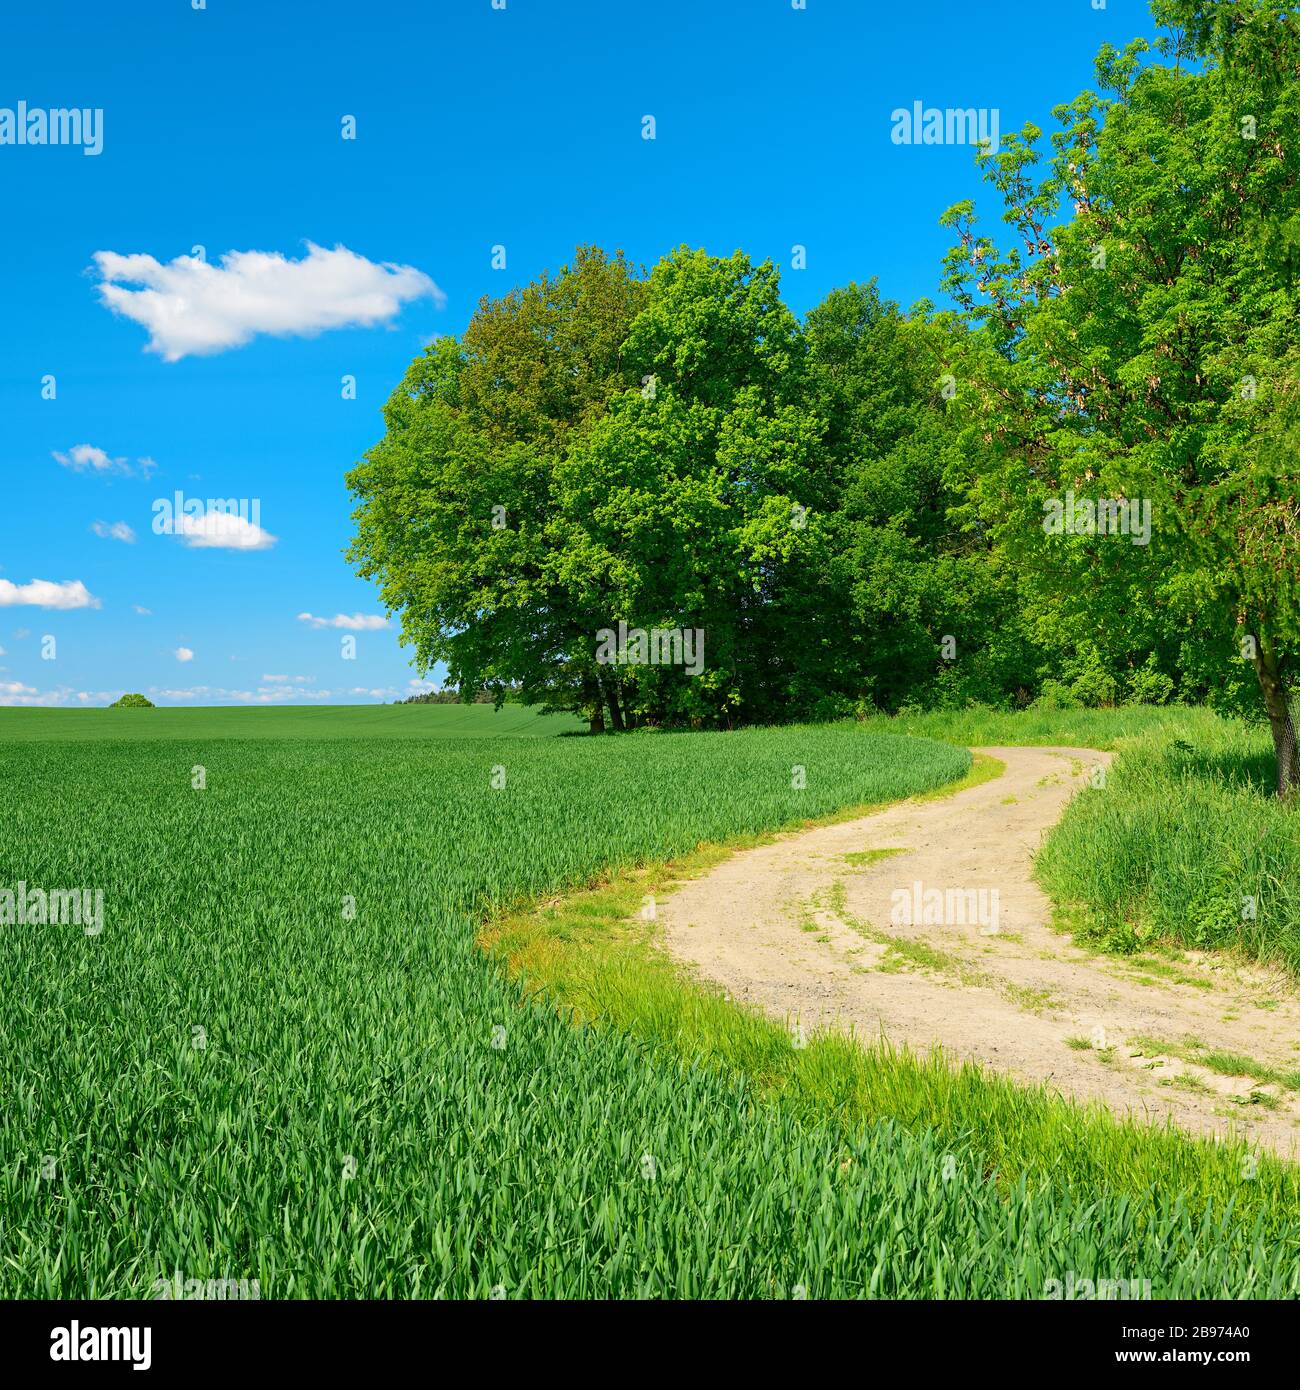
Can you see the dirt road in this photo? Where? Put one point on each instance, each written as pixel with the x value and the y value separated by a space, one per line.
pixel 923 922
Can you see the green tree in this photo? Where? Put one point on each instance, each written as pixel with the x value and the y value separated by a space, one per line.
pixel 600 449
pixel 132 701
pixel 1146 350
pixel 457 501
pixel 930 618
pixel 699 501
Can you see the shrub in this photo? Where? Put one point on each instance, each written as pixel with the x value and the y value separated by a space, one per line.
pixel 1148 685
pixel 1055 695
pixel 1093 685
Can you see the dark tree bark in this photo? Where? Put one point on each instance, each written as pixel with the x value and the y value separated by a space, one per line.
pixel 1281 716
pixel 593 703
pixel 610 682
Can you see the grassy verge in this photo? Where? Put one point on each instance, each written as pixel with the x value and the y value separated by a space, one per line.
pixel 1076 728
pixel 1184 844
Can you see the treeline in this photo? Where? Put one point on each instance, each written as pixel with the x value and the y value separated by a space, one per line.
pixel 451 696
pixel 1078 485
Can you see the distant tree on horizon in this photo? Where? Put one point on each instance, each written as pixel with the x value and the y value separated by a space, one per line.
pixel 133 701
pixel 449 696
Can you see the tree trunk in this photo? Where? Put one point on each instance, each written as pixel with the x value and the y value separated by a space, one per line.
pixel 615 709
pixel 1280 717
pixel 592 703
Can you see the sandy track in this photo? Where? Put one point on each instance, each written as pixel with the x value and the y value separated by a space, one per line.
pixel 804 933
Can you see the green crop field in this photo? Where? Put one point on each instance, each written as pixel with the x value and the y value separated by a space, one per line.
pixel 328 1040
pixel 285 1058
pixel 294 721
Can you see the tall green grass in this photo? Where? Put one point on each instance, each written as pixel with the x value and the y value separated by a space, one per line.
pixel 1077 728
pixel 1185 843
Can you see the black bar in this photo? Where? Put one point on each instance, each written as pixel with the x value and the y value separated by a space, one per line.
pixel 217 1339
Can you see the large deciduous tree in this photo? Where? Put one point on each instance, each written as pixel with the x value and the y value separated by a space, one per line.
pixel 600 449
pixel 456 516
pixel 698 500
pixel 1146 348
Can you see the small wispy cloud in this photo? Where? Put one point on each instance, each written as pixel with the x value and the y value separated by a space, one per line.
pixel 46 593
pixel 83 456
pixel 143 612
pixel 262 695
pixel 184 654
pixel 90 458
pixel 14 693
pixel 191 307
pixel 113 531
pixel 357 622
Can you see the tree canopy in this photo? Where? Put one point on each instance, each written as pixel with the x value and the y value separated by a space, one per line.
pixel 1145 351
pixel 660 498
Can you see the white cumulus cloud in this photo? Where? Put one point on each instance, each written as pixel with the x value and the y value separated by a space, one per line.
pixel 82 456
pixel 113 531
pixel 193 308
pixel 357 622
pixel 46 593
pixel 184 654
pixel 216 530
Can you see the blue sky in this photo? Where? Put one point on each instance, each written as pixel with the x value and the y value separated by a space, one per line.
pixel 222 128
